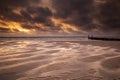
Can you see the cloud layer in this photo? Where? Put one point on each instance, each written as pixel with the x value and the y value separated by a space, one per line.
pixel 60 16
pixel 109 16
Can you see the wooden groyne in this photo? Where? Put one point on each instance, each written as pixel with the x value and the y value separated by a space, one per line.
pixel 103 38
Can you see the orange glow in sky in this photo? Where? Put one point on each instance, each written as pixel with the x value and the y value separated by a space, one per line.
pixel 13 27
pixel 64 26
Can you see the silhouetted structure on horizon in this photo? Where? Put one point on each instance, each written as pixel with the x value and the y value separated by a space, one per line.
pixel 103 38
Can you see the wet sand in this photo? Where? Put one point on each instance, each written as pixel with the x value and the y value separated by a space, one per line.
pixel 59 60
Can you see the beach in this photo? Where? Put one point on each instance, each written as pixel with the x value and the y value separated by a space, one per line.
pixel 34 59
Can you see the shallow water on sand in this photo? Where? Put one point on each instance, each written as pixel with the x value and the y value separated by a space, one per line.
pixel 53 60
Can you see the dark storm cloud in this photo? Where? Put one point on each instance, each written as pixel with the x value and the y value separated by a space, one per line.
pixel 25 13
pixel 65 8
pixel 76 12
pixel 26 16
pixel 10 16
pixel 90 15
pixel 16 3
pixel 84 15
pixel 37 15
pixel 109 16
pixel 26 10
pixel 7 7
pixel 41 14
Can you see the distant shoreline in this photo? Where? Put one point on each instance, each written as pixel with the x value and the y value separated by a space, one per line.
pixel 46 37
pixel 89 37
pixel 103 38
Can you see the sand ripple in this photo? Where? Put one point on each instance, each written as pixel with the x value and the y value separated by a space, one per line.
pixel 40 60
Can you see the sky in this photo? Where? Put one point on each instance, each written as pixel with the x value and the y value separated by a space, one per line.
pixel 59 17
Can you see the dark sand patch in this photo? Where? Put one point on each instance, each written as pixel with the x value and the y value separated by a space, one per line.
pixel 112 63
pixel 110 68
pixel 9 76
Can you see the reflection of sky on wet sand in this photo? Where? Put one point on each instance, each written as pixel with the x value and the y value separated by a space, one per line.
pixel 45 59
